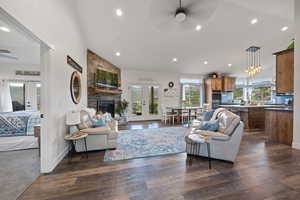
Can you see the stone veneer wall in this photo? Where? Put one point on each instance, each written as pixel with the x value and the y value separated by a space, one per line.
pixel 96 62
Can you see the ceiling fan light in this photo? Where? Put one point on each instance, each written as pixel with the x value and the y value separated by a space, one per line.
pixel 180 15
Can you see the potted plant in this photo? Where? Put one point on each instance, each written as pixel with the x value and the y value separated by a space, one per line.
pixel 121 110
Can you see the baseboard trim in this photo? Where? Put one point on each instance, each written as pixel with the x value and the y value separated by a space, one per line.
pixel 58 159
pixel 296 145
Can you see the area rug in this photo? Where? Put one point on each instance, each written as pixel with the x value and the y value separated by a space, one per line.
pixel 148 142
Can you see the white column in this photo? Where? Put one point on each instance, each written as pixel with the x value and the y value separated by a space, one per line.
pixel 296 138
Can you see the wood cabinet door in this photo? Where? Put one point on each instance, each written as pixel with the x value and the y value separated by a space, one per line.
pixel 216 84
pixel 285 72
pixel 228 84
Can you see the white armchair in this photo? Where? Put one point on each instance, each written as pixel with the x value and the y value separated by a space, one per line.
pixel 98 138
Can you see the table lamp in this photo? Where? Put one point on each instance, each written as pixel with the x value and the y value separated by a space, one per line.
pixel 72 119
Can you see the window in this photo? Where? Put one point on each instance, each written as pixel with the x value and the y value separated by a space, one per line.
pixel 17 92
pixel 238 94
pixel 261 94
pixel 191 95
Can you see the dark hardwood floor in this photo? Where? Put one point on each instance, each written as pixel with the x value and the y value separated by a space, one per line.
pixel 263 171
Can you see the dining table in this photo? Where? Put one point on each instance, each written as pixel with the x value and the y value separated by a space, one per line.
pixel 180 109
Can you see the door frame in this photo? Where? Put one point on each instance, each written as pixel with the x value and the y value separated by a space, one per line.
pixel 45 85
pixel 147 116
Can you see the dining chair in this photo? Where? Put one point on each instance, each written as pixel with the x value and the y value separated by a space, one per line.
pixel 167 116
pixel 184 116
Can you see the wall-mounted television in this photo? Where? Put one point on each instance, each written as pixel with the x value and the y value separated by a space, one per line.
pixel 106 79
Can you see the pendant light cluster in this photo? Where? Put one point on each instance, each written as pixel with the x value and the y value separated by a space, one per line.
pixel 253 60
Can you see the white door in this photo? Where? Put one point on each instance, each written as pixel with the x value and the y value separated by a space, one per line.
pixel 144 102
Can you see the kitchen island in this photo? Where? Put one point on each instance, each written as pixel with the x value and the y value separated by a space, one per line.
pixel 253 116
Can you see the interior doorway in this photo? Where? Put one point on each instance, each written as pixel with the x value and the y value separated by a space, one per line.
pixel 144 102
pixel 24 64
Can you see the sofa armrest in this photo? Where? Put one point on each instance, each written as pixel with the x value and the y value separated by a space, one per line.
pixel 114 126
pixel 105 130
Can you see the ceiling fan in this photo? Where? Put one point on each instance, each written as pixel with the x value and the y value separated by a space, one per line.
pixel 4 53
pixel 182 14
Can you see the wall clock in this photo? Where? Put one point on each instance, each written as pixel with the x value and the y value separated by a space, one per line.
pixel 171 84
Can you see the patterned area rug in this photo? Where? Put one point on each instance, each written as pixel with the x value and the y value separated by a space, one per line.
pixel 148 142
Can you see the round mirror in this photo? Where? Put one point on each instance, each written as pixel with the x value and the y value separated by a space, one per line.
pixel 75 87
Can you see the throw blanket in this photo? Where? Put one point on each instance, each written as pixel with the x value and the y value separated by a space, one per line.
pixel 19 123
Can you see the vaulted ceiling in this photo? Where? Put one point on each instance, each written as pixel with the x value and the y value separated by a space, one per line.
pixel 148 37
pixel 23 51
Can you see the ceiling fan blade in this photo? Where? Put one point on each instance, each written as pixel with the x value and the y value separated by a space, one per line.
pixel 198 4
pixel 8 57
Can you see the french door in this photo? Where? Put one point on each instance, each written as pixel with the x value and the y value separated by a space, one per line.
pixel 144 102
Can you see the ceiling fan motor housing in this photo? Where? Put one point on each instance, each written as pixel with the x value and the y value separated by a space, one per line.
pixel 180 15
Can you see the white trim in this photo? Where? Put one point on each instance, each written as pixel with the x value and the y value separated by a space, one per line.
pixel 57 160
pixel 296 145
pixel 45 81
pixel 45 73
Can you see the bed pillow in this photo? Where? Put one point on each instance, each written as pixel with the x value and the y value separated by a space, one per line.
pixel 210 126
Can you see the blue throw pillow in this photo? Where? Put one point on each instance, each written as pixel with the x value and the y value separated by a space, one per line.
pixel 208 115
pixel 99 123
pixel 210 126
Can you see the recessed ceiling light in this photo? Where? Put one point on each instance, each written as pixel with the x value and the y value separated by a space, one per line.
pixel 229 65
pixel 205 62
pixel 198 27
pixel 5 29
pixel 254 21
pixel 119 12
pixel 285 28
pixel 118 53
pixel 174 59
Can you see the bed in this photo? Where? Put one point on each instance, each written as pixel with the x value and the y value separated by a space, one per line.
pixel 17 130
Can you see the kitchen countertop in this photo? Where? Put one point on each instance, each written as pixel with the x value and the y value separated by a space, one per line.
pixel 280 109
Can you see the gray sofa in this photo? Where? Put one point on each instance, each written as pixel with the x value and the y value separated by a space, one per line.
pixel 225 143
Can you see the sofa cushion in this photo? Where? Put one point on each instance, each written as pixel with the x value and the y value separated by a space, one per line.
pixel 207 115
pixel 98 130
pixel 210 126
pixel 213 135
pixel 99 123
pixel 228 122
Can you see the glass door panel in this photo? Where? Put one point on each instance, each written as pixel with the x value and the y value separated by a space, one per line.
pixel 153 100
pixel 136 100
pixel 144 102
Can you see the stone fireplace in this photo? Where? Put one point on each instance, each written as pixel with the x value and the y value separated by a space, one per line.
pixel 104 102
pixel 101 98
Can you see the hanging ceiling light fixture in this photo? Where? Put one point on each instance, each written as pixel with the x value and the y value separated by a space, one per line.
pixel 253 60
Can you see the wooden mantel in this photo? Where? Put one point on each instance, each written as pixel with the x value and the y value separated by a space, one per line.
pixel 93 91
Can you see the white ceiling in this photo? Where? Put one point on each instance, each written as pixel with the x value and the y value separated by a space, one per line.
pixel 26 50
pixel 148 39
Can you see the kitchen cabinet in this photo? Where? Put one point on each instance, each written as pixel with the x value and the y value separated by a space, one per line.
pixel 285 71
pixel 228 84
pixel 215 84
pixel 279 125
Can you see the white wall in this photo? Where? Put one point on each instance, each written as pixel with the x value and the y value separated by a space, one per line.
pixel 157 78
pixel 296 139
pixel 8 71
pixel 55 23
